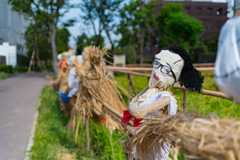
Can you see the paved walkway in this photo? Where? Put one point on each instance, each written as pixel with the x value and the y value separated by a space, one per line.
pixel 18 98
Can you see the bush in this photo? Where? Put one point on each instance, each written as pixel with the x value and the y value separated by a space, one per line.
pixel 4 75
pixel 195 52
pixel 130 52
pixel 20 69
pixel 6 68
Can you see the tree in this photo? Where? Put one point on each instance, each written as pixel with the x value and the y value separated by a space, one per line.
pixel 177 28
pixel 136 18
pixel 37 43
pixel 45 14
pixel 130 52
pixel 84 40
pixel 102 11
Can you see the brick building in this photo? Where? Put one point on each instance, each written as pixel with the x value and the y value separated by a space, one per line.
pixel 212 14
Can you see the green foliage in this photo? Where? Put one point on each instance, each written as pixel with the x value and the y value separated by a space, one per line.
pixel 4 75
pixel 45 17
pixel 43 47
pixel 130 52
pixel 196 51
pixel 100 14
pixel 211 44
pixel 63 36
pixel 133 17
pixel 176 27
pixel 183 29
pixel 5 68
pixel 20 69
pixel 84 40
pixel 52 139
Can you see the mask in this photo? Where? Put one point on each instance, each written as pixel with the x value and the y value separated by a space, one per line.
pixel 167 68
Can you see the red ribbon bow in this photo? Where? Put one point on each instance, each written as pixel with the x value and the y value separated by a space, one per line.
pixel 127 117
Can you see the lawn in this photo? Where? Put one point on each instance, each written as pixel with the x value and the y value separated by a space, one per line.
pixel 53 141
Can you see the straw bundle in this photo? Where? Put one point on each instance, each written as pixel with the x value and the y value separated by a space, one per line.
pixel 96 88
pixel 194 135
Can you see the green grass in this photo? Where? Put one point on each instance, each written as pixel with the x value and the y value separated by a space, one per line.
pixel 202 103
pixel 53 141
pixel 4 75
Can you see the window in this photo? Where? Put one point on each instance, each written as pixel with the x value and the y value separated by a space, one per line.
pixel 187 9
pixel 219 11
pixel 209 24
pixel 198 10
pixel 209 10
pixel 219 24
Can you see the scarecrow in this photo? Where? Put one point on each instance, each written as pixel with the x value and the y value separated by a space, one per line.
pixel 73 84
pixel 169 66
pixel 227 64
pixel 62 83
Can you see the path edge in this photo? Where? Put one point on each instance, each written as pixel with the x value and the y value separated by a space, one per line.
pixel 28 152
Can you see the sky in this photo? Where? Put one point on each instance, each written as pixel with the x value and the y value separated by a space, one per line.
pixel 79 28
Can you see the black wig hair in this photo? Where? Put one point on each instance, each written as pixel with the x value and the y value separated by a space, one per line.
pixel 190 78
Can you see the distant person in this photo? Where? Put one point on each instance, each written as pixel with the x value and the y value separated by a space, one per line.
pixel 227 66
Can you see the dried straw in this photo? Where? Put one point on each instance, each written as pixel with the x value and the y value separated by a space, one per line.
pixel 96 88
pixel 196 136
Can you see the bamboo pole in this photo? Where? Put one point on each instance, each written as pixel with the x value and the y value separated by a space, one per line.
pixel 132 83
pixel 209 69
pixel 206 92
pixel 184 99
pixel 129 92
pixel 87 135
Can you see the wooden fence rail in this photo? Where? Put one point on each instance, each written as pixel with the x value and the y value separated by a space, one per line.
pixel 139 69
pixel 176 86
pixel 205 92
pixel 149 65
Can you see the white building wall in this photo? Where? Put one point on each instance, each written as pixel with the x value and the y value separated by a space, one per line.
pixel 10 52
pixel 12 27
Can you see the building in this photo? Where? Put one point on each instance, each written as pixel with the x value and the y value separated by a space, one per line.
pixel 212 14
pixel 12 28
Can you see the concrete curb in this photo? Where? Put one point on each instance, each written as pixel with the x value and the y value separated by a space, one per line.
pixel 30 142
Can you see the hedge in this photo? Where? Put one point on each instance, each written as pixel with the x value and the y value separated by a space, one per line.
pixel 6 68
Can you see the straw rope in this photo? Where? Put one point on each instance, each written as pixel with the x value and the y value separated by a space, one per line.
pixel 196 136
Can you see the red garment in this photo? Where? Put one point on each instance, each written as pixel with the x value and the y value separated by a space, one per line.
pixel 127 117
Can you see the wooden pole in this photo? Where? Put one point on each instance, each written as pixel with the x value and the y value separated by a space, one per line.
pixel 132 83
pixel 184 99
pixel 206 92
pixel 128 154
pixel 87 135
pixel 129 90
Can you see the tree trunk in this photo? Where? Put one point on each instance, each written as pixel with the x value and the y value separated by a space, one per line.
pixel 31 61
pixel 142 37
pixel 142 45
pixel 38 60
pixel 54 49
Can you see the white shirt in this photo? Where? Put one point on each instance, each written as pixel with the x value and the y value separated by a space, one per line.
pixel 172 110
pixel 227 66
pixel 73 82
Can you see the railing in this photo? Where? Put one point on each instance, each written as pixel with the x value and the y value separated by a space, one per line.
pixel 149 65
pixel 139 69
pixel 129 72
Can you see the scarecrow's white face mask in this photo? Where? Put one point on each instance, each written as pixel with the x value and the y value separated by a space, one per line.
pixel 167 68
